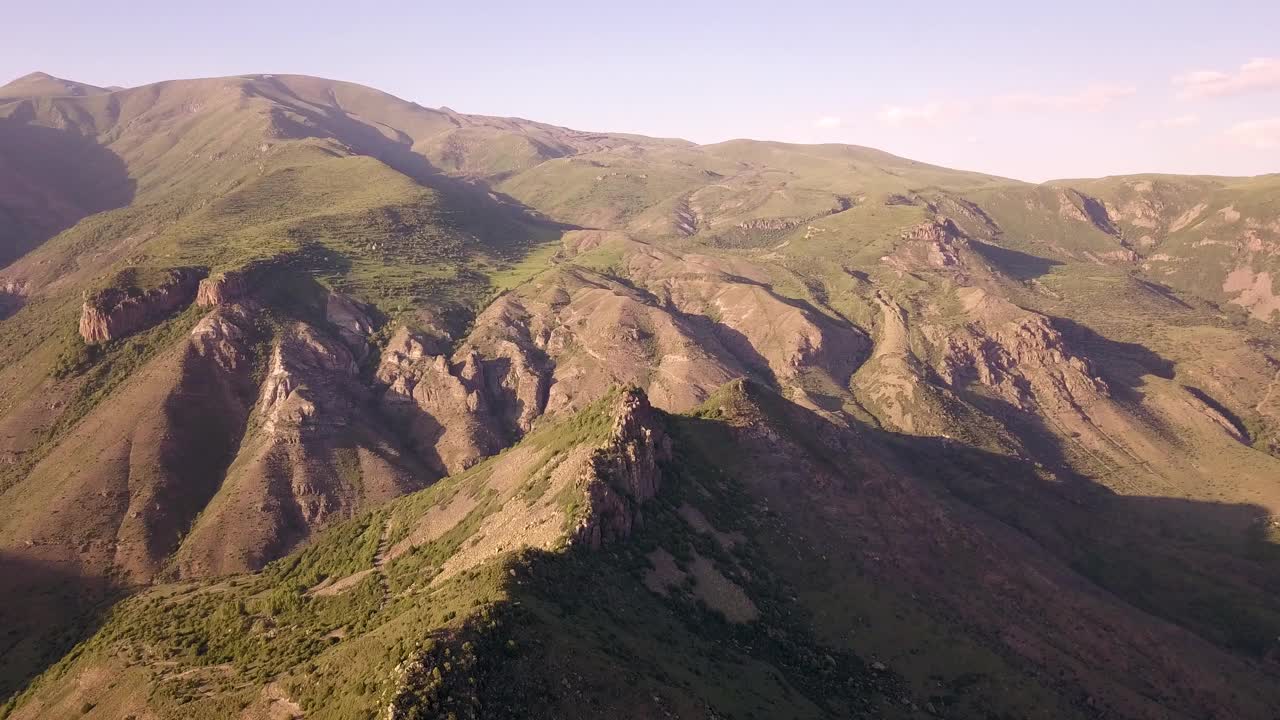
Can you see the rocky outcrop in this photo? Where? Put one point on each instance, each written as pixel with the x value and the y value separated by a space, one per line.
pixel 935 245
pixel 686 218
pixel 550 348
pixel 303 364
pixel 352 321
pixel 447 415
pixel 1253 291
pixel 1093 211
pixel 894 383
pixel 313 453
pixel 459 409
pixel 763 331
pixel 13 294
pixel 773 224
pixel 223 337
pixel 185 459
pixel 116 312
pixel 510 346
pixel 624 473
pixel 1122 255
pixel 222 288
pixel 144 463
pixel 1018 353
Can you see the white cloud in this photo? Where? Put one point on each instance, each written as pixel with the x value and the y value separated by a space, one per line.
pixel 1261 134
pixel 1177 121
pixel 1091 98
pixel 1257 75
pixel 934 113
pixel 827 121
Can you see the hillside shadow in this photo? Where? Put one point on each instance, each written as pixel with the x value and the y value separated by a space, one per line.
pixel 1212 568
pixel 497 218
pixel 1120 363
pixel 740 348
pixel 1015 264
pixel 1163 291
pixel 9 304
pixel 51 180
pixel 1222 410
pixel 1202 565
pixel 45 611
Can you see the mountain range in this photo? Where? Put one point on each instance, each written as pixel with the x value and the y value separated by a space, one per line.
pixel 315 402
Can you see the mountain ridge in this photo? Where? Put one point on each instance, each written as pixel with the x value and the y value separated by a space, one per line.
pixel 886 384
pixel 41 83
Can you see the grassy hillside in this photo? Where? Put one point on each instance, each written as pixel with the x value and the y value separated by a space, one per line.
pixel 668 620
pixel 1005 450
pixel 477 597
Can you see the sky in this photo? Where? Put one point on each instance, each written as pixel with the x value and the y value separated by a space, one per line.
pixel 1030 90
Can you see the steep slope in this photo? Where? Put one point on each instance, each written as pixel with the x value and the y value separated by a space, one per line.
pixel 465 593
pixel 916 524
pixel 623 562
pixel 462 598
pixel 990 437
pixel 262 382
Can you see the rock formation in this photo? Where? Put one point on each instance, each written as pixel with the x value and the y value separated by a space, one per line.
pixel 352 322
pixel 313 452
pixel 115 312
pixel 222 288
pixel 625 473
pixel 442 407
pixel 1018 353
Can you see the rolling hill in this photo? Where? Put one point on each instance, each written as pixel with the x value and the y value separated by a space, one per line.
pixel 315 402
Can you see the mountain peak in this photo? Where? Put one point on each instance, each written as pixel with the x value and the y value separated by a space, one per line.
pixel 43 84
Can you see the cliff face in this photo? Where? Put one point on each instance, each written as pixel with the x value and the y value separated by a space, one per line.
pixel 222 289
pixel 114 313
pixel 352 322
pixel 550 348
pixel 939 245
pixel 624 473
pixel 682 328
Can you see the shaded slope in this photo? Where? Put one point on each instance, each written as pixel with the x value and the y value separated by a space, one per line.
pixel 457 599
pixel 50 178
pixel 752 557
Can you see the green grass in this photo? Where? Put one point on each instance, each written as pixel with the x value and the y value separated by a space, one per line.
pixel 231 636
pixel 498 639
pixel 508 275
pixel 268 189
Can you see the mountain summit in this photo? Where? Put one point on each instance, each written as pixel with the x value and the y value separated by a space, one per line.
pixel 38 84
pixel 315 402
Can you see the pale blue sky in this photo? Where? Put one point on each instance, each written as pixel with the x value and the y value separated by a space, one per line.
pixel 1032 90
